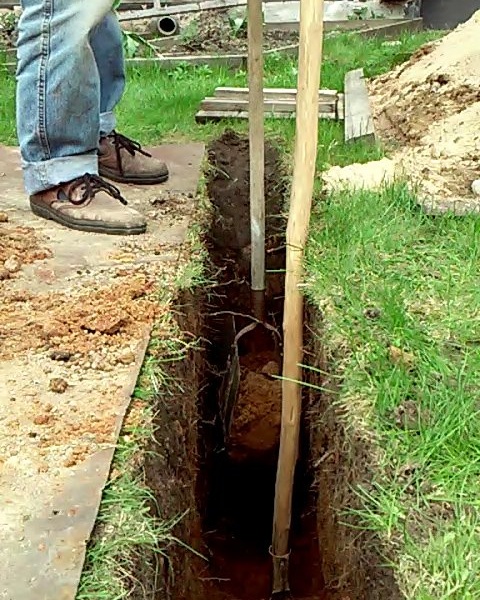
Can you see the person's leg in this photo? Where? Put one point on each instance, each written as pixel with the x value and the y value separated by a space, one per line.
pixel 58 90
pixel 107 44
pixel 121 159
pixel 58 117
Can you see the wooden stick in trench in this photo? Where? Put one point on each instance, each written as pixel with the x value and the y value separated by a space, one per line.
pixel 306 142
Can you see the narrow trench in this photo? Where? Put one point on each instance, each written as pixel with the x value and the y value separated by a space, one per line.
pixel 237 479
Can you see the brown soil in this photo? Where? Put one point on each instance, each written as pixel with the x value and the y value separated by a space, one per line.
pixel 229 191
pixel 208 32
pixel 431 107
pixel 18 246
pixel 257 416
pixel 97 321
pixel 212 32
pixel 353 559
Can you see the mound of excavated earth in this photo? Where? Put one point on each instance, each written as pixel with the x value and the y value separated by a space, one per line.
pixel 429 108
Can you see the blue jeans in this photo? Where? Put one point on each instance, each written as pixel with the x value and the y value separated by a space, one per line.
pixel 70 77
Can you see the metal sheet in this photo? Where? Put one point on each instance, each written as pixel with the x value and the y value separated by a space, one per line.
pixel 47 512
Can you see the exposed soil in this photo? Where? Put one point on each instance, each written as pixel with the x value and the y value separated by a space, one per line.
pixel 214 32
pixel 98 321
pixel 240 469
pixel 257 416
pixel 208 32
pixel 18 246
pixel 353 559
pixel 431 107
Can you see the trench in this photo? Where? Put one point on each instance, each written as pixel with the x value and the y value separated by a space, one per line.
pixel 218 469
pixel 240 442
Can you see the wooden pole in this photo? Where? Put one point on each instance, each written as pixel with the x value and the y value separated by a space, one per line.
pixel 257 156
pixel 306 142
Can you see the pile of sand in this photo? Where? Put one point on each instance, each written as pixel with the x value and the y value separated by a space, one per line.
pixel 429 107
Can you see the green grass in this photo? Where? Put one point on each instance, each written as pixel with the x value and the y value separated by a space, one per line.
pixel 125 530
pixel 409 375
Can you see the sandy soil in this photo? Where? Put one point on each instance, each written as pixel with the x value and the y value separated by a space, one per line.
pixel 429 108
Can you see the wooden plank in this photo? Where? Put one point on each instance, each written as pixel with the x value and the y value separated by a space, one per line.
pixel 392 30
pixel 275 106
pixel 341 107
pixel 203 116
pixel 272 94
pixel 354 25
pixel 227 60
pixel 358 114
pixel 167 62
pixel 151 13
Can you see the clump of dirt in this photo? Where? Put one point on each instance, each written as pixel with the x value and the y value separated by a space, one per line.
pixel 75 429
pixel 431 106
pixel 216 31
pixel 92 327
pixel 18 246
pixel 257 416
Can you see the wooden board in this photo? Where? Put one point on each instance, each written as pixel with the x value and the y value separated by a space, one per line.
pixel 203 116
pixel 280 103
pixel 270 106
pixel 272 94
pixel 383 28
pixel 173 60
pixel 358 114
pixel 341 107
pixel 340 25
pixel 390 31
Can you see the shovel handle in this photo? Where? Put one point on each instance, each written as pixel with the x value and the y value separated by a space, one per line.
pixel 257 143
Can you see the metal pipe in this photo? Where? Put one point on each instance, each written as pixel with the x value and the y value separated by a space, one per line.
pixel 167 26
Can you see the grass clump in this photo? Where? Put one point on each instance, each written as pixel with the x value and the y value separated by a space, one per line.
pixel 126 531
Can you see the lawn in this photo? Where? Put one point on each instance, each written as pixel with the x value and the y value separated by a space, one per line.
pixel 399 295
pixel 398 292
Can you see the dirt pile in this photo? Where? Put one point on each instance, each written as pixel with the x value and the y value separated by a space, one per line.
pixel 430 106
pixel 91 330
pixel 223 31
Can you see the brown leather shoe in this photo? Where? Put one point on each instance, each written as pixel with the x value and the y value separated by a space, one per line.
pixel 123 160
pixel 88 204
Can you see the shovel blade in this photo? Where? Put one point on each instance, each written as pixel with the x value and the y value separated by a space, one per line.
pixel 228 392
pixel 281 584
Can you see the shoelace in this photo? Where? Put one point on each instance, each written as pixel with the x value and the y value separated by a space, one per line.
pixel 92 185
pixel 121 142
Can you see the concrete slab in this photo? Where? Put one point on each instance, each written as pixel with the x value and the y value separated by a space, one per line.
pixel 75 321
